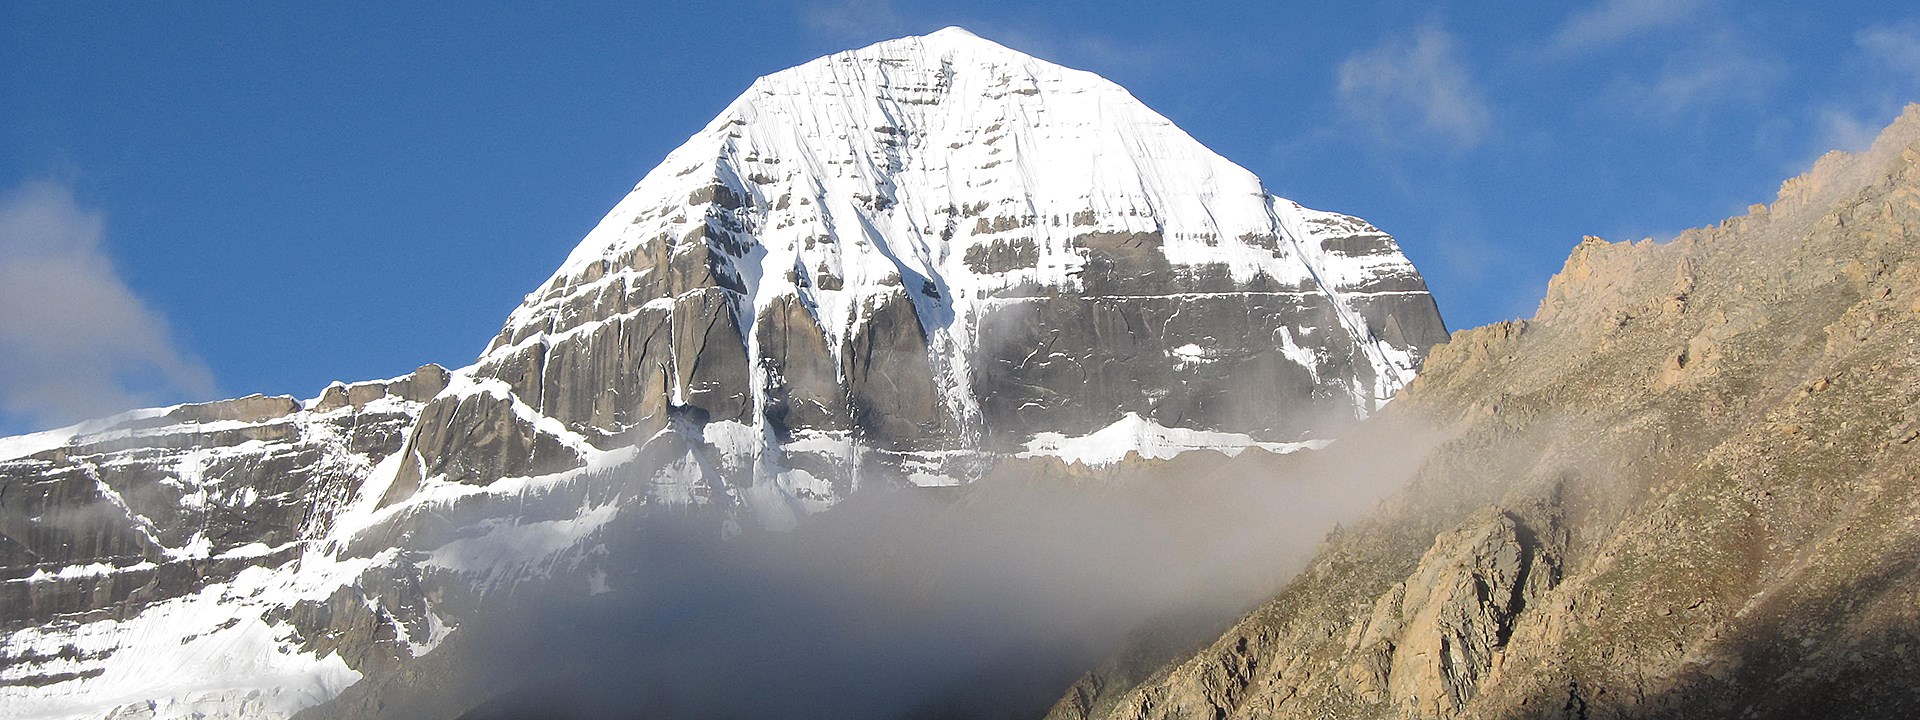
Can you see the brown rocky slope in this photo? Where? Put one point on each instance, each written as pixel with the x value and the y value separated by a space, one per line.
pixel 1687 488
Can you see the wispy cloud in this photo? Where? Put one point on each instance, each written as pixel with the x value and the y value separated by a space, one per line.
pixel 852 21
pixel 1611 21
pixel 1885 77
pixel 1846 130
pixel 75 341
pixel 1895 48
pixel 1414 88
pixel 1720 68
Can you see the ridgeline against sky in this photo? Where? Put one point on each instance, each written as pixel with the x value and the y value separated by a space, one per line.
pixel 288 198
pixel 914 265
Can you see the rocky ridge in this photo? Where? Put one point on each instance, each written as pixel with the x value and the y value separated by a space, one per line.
pixel 137 549
pixel 1685 488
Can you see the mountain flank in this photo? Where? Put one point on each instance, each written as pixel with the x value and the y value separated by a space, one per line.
pixel 1688 487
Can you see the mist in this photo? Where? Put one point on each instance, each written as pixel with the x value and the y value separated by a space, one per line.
pixel 981 601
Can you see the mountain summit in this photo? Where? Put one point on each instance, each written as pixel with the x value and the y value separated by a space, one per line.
pixel 885 260
pixel 896 266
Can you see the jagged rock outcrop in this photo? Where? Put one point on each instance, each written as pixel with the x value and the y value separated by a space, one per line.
pixel 125 544
pixel 1686 488
pixel 1432 639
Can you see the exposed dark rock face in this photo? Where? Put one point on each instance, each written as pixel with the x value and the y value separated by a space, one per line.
pixel 1686 488
pixel 420 386
pixel 491 438
pixel 803 386
pixel 1069 365
pixel 159 506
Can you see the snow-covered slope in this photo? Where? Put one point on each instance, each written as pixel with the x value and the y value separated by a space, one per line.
pixel 897 265
pixel 903 164
pixel 933 246
pixel 909 167
pixel 169 562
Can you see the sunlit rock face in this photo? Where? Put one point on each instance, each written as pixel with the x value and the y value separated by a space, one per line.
pixel 1687 487
pixel 893 266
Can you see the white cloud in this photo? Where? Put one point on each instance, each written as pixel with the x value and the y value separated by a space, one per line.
pixel 1715 70
pixel 1611 21
pixel 1887 78
pixel 1688 82
pixel 1843 130
pixel 1895 48
pixel 1414 86
pixel 852 20
pixel 75 341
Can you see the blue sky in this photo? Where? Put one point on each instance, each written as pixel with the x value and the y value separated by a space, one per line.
pixel 218 199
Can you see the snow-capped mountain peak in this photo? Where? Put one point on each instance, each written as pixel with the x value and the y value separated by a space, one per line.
pixel 965 179
pixel 898 265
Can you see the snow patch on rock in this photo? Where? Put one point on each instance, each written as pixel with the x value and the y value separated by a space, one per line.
pixel 1136 435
